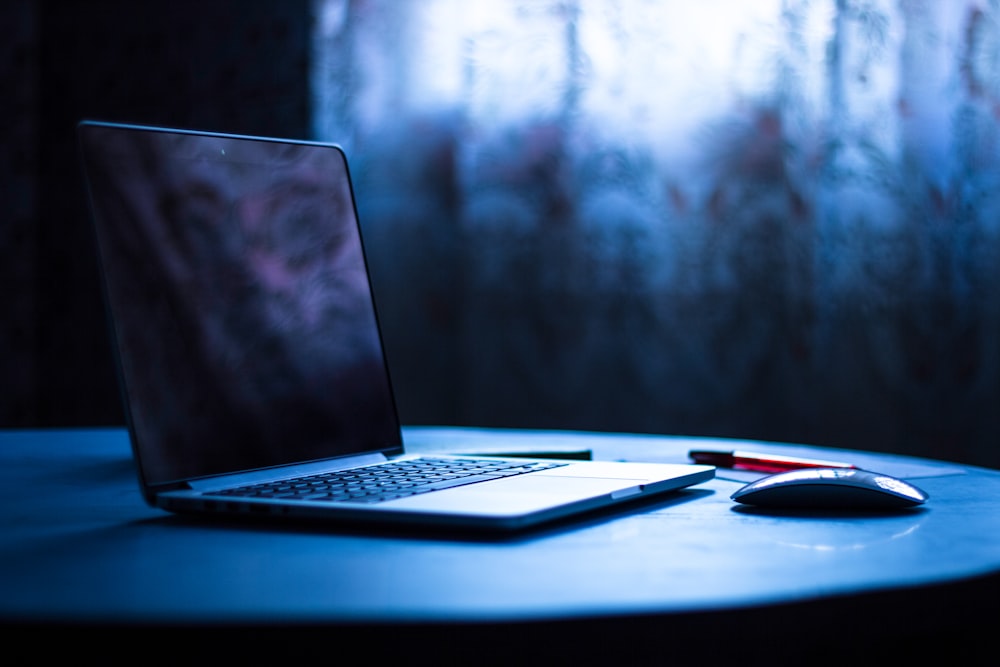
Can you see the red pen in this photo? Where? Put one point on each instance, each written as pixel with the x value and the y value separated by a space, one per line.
pixel 739 460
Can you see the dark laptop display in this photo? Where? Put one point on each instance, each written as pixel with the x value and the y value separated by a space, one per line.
pixel 237 275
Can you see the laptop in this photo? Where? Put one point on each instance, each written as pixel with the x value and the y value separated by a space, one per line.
pixel 249 353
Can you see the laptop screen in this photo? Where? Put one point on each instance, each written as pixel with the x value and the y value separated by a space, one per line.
pixel 239 298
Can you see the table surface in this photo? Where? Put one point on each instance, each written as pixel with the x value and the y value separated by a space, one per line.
pixel 86 549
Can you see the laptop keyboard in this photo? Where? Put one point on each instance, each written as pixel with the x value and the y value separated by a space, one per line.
pixel 387 481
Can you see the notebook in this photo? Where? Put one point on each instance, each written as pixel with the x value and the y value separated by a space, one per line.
pixel 249 353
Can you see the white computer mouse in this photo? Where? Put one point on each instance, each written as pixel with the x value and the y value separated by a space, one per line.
pixel 830 488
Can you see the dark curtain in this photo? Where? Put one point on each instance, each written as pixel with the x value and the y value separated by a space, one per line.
pixel 772 220
pixel 225 65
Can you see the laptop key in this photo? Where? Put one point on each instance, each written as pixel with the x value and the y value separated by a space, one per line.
pixel 457 481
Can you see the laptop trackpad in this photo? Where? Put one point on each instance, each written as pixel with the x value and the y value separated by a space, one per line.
pixel 514 495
